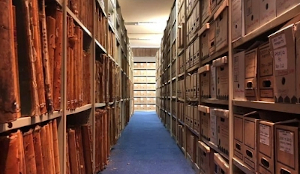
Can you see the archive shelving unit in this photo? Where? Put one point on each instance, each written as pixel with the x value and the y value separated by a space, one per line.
pixel 110 40
pixel 189 24
pixel 144 84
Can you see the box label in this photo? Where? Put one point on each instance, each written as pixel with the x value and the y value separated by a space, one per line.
pixel 286 141
pixel 279 41
pixel 280 56
pixel 264 134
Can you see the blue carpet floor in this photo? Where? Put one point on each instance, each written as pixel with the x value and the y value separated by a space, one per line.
pixel 146 147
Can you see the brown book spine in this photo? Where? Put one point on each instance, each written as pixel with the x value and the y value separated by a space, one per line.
pixel 55 147
pixel 81 77
pixel 46 59
pixel 29 152
pixel 87 148
pixel 98 143
pixel 9 97
pixel 35 23
pixel 68 170
pixel 46 152
pixel 58 61
pixel 88 77
pixel 79 147
pixel 76 68
pixel 38 150
pixel 51 31
pixel 74 161
pixel 21 153
pixel 9 147
pixel 50 124
pixel 106 148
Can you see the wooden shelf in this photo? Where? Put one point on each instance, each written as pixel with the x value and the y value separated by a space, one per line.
pixel 270 106
pixel 192 130
pixel 80 109
pixel 242 167
pixel 100 105
pixel 215 55
pixel 269 25
pixel 214 101
pixel 192 99
pixel 213 146
pixel 100 46
pixel 102 9
pixel 79 22
pixel 28 121
pixel 195 67
pixel 181 74
pixel 181 122
pixel 181 99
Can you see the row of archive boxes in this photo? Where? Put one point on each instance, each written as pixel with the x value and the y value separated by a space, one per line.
pixel 267 145
pixel 144 73
pixel 144 107
pixel 144 87
pixel 214 79
pixel 145 100
pixel 192 118
pixel 144 93
pixel 180 89
pixel 270 72
pixel 192 86
pixel 192 54
pixel 215 127
pixel 144 79
pixel 144 66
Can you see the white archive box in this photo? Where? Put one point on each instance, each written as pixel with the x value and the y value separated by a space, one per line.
pixel 237 20
pixel 239 75
pixel 251 14
pixel 284 5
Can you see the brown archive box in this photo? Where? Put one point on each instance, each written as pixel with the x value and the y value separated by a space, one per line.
pixel 196 119
pixel 206 158
pixel 221 65
pixel 212 38
pixel 238 137
pixel 213 126
pixel 298 61
pixel 196 51
pixel 222 166
pixel 250 124
pixel 204 121
pixel 223 130
pixel 204 45
pixel 251 15
pixel 287 147
pixel 282 45
pixel 205 10
pixel 266 147
pixel 267 11
pixel 239 75
pixel 236 23
pixel 251 74
pixel 204 72
pixel 213 82
pixel 221 18
pixel 266 78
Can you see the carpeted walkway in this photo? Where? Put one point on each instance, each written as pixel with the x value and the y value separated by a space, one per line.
pixel 146 147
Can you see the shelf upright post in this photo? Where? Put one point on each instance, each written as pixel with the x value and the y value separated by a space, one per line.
pixel 230 104
pixel 62 124
pixel 92 90
pixel 185 75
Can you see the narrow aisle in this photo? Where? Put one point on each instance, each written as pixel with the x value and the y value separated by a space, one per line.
pixel 146 147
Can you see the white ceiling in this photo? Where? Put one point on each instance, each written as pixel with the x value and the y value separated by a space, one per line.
pixel 152 13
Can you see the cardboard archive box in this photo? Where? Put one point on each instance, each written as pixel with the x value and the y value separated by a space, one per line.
pixel 223 130
pixel 287 147
pixel 204 122
pixel 191 116
pixel 298 61
pixel 213 4
pixel 222 166
pixel 251 74
pixel 212 38
pixel 196 51
pixel 282 45
pixel 196 119
pixel 213 126
pixel 205 10
pixel 206 157
pixel 236 24
pixel 251 14
pixel 187 58
pixel 221 65
pixel 266 77
pixel 238 137
pixel 250 122
pixel 239 75
pixel 221 19
pixel 266 147
pixel 267 11
pixel 204 45
pixel 213 82
pixel 195 85
pixel 204 72
pixel 284 5
pixel 186 115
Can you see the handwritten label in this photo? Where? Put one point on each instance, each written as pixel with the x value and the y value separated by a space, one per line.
pixel 279 41
pixel 280 56
pixel 264 134
pixel 286 141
